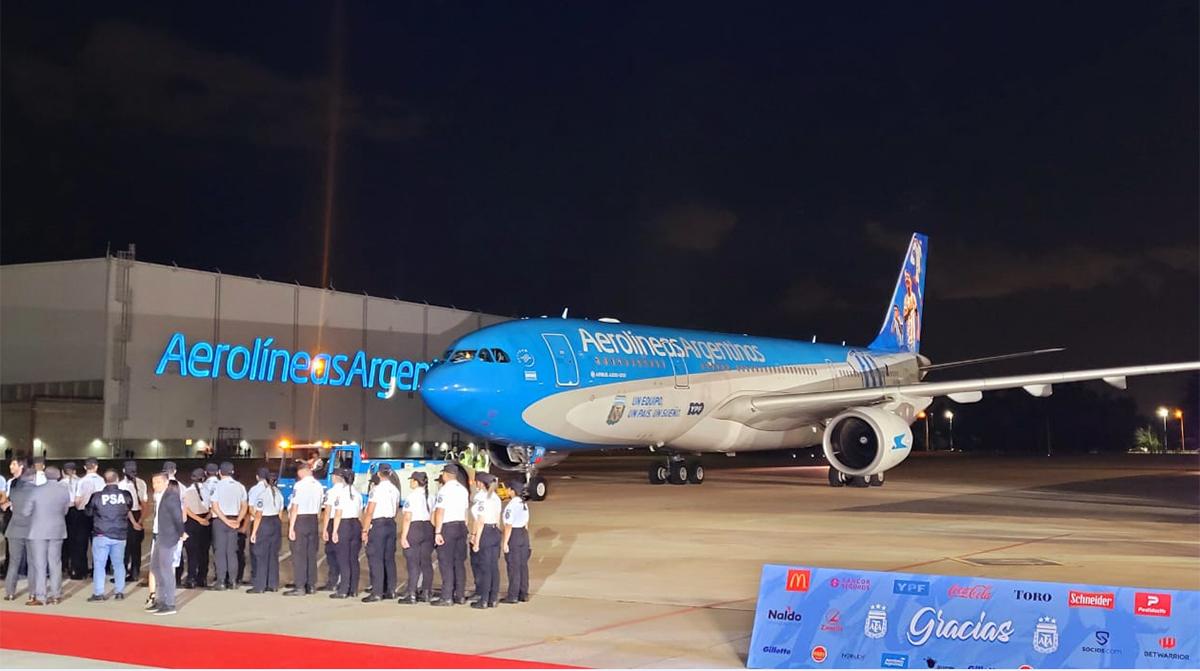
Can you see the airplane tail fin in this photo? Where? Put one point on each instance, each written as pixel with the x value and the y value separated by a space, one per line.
pixel 901 330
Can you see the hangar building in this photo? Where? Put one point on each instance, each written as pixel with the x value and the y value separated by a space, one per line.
pixel 111 356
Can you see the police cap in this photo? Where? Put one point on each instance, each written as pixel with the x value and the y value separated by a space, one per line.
pixel 69 466
pixel 485 478
pixel 452 469
pixel 226 468
pixel 91 461
pixel 211 468
pixel 384 469
pixel 419 477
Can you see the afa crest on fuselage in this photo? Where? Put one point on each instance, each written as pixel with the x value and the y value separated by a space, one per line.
pixel 617 411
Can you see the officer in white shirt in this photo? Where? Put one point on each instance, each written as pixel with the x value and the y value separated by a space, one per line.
pixel 266 535
pixel 39 471
pixel 229 507
pixel 477 495
pixel 486 543
pixel 197 522
pixel 379 533
pixel 135 534
pixel 79 536
pixel 70 480
pixel 345 531
pixel 211 472
pixel 416 537
pixel 333 574
pixel 450 537
pixel 304 530
pixel 515 544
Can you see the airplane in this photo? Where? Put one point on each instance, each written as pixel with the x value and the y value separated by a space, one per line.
pixel 540 389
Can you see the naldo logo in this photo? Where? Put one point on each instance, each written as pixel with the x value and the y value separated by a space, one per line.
pixel 785 615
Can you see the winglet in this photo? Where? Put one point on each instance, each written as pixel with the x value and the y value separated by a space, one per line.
pixel 901 330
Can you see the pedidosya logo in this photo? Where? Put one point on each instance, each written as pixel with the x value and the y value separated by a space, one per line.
pixel 260 362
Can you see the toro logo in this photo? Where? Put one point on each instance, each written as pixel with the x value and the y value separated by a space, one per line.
pixel 819 653
pixel 1090 599
pixel 798 579
pixel 1149 603
pixel 1166 642
pixel 785 615
pixel 1023 595
pixel 969 592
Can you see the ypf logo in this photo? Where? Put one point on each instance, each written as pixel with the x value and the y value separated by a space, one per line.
pixel 798 580
pixel 819 653
pixel 1150 603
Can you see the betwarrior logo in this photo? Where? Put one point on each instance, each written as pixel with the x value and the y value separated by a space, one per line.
pixel 1090 599
pixel 1151 603
pixel 798 579
pixel 785 615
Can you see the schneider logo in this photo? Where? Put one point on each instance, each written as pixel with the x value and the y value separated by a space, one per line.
pixel 785 615
pixel 1090 599
pixel 1149 603
pixel 262 363
pixel 798 579
pixel 910 587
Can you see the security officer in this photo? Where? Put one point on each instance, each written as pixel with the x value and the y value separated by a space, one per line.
pixel 80 536
pixel 450 536
pixel 345 532
pixel 486 541
pixel 379 533
pixel 140 493
pixel 304 530
pixel 198 525
pixel 477 495
pixel 266 535
pixel 228 510
pixel 515 544
pixel 211 472
pixel 416 537
pixel 111 510
pixel 247 528
pixel 333 572
pixel 70 480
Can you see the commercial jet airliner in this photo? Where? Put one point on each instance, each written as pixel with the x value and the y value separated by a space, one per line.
pixel 540 389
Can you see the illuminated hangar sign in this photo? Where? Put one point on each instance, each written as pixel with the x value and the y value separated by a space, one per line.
pixel 263 363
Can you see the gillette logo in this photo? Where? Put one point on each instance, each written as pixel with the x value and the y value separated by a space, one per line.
pixel 1147 603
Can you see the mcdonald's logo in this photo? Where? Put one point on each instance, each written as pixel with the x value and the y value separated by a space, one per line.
pixel 798 579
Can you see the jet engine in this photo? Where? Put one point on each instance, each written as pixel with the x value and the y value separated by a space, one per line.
pixel 514 457
pixel 866 441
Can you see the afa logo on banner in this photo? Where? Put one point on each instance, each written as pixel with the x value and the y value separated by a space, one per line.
pixel 810 617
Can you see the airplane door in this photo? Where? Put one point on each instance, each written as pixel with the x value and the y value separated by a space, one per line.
pixel 679 367
pixel 566 367
pixel 835 379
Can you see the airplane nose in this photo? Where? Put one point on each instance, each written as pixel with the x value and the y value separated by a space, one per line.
pixel 444 394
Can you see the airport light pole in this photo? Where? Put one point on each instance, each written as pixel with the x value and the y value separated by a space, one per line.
pixel 1162 412
pixel 925 416
pixel 949 414
pixel 1182 437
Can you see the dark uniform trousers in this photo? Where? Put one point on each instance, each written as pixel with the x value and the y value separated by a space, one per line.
pixel 331 562
pixel 452 558
pixel 418 558
pixel 487 580
pixel 242 539
pixel 79 536
pixel 66 546
pixel 133 551
pixel 381 556
pixel 347 548
pixel 196 548
pixel 225 550
pixel 265 553
pixel 304 552
pixel 517 560
pixel 475 568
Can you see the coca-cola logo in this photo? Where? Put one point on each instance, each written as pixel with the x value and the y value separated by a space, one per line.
pixel 969 592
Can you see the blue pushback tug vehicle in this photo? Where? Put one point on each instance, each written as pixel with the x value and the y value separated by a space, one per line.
pixel 328 456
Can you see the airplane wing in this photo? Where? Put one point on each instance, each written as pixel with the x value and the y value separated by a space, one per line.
pixel 756 408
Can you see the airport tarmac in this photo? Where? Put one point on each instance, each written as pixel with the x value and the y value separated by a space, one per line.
pixel 625 574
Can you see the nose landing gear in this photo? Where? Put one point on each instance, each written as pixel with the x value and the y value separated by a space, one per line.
pixel 676 471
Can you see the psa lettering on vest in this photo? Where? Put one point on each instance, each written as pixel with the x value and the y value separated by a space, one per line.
pixel 260 361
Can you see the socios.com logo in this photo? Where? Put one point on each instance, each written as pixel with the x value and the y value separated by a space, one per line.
pixel 260 362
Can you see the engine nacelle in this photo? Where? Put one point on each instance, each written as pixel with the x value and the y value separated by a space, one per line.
pixel 866 441
pixel 514 458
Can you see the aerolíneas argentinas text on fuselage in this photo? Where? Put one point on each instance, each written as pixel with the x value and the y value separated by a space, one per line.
pixel 537 389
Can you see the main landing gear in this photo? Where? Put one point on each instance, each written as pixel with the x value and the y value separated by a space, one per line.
pixel 840 479
pixel 676 471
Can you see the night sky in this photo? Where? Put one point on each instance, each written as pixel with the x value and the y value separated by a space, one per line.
pixel 748 167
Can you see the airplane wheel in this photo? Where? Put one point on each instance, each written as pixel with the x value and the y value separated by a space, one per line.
pixel 658 473
pixel 696 474
pixel 857 481
pixel 836 478
pixel 678 473
pixel 876 480
pixel 538 489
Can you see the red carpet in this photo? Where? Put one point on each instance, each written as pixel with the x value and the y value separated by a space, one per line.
pixel 183 647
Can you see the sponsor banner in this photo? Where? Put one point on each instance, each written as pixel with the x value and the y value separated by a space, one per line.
pixel 809 617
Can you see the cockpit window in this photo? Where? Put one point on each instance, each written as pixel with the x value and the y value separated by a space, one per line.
pixel 501 355
pixel 462 355
pixel 446 356
pixel 485 355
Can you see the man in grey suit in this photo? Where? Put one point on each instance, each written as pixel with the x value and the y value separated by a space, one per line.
pixel 168 532
pixel 17 533
pixel 46 507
